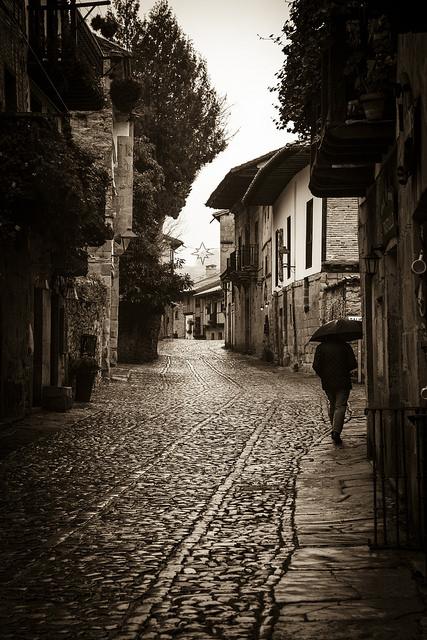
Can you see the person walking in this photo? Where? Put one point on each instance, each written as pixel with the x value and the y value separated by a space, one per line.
pixel 334 359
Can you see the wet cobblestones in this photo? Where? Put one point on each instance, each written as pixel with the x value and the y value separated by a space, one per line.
pixel 167 513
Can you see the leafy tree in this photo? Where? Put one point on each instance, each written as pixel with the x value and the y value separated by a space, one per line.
pixel 299 78
pixel 180 111
pixel 179 127
pixel 368 52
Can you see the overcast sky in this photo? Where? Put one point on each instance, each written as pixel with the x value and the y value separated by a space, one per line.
pixel 227 33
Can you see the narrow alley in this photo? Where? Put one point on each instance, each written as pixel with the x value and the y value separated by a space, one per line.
pixel 169 510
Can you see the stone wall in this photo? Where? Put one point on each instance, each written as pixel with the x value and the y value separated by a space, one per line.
pixel 341 297
pixel 299 309
pixel 86 315
pixel 16 334
pixel 109 136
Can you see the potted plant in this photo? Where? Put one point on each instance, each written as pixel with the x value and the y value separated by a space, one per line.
pixel 125 94
pixel 84 371
pixel 379 69
pixel 376 89
pixel 370 66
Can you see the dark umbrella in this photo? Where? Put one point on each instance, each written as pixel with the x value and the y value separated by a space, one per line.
pixel 341 329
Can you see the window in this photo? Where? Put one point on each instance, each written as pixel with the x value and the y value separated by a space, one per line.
pixel 309 235
pixel 257 243
pixel 220 335
pixel 279 256
pixel 288 246
pixel 212 336
pixel 176 315
pixel 266 265
pixel 197 303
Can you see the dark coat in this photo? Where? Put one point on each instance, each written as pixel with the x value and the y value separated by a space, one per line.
pixel 333 362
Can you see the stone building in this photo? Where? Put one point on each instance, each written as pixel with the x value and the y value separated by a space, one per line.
pixel 380 157
pixel 53 97
pixel 171 322
pixel 108 133
pixel 296 260
pixel 227 246
pixel 201 314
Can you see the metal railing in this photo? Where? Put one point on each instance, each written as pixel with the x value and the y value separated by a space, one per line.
pixel 245 258
pixel 397 446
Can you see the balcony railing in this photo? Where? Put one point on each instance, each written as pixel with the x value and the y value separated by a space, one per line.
pixel 397 441
pixel 350 136
pixel 242 265
pixel 69 52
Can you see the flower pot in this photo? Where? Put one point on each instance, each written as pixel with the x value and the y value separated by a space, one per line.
pixel 373 105
pixel 84 385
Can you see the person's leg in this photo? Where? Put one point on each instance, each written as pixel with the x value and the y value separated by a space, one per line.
pixel 341 398
pixel 331 398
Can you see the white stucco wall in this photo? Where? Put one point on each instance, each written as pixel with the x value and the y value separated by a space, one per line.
pixel 293 202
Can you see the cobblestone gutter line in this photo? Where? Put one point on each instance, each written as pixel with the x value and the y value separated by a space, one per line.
pixel 140 612
pixel 82 520
pixel 191 495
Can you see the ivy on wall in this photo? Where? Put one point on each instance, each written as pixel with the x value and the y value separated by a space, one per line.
pixel 52 188
pixel 86 314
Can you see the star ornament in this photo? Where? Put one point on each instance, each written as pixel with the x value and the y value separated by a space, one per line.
pixel 202 253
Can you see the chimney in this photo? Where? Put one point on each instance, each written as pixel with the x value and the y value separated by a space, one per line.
pixel 210 270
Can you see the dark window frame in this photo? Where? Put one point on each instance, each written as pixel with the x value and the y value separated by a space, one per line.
pixel 288 245
pixel 309 234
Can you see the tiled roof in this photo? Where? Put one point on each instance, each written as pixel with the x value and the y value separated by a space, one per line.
pixel 233 186
pixel 273 177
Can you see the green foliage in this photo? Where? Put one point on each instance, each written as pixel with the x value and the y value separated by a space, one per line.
pixel 91 290
pixel 126 17
pixel 52 188
pixel 108 25
pixel 181 113
pixel 179 127
pixel 85 364
pixel 299 79
pixel 125 94
pixel 154 284
pixel 368 48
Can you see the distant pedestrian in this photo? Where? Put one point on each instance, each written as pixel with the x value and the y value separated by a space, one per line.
pixel 333 362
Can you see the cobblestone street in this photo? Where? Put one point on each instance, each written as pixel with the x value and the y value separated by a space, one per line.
pixel 168 511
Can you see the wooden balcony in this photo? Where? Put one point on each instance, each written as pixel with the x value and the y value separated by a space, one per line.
pixel 64 59
pixel 352 132
pixel 242 265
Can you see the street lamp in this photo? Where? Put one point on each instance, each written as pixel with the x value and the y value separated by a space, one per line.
pixel 371 262
pixel 124 239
